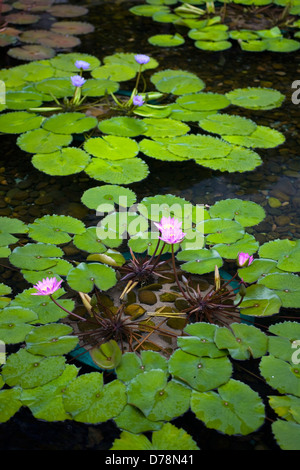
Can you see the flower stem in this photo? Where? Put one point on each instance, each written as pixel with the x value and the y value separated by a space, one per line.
pixel 65 310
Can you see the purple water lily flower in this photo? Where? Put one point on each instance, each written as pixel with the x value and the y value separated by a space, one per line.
pixel 82 64
pixel 142 59
pixel 138 100
pixel 77 80
pixel 47 286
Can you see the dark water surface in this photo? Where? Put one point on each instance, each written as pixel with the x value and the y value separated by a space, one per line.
pixel 27 194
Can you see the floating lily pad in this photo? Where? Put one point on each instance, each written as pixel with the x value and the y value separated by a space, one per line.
pixel 85 276
pixel 46 401
pixel 262 137
pixel 260 301
pixel 177 82
pixel 69 123
pixel 31 52
pixel 55 229
pixel 115 71
pixel 87 400
pixel 286 407
pixel 258 268
pixel 247 244
pixel 286 252
pixel 99 87
pixel 29 370
pixel 213 45
pixel 58 87
pixel 110 194
pixel 200 373
pixel 286 286
pixel 123 126
pixel 38 256
pixel 167 438
pixel 53 339
pixel 128 58
pixel 157 128
pixel 282 45
pixel 38 5
pixel 199 261
pixel 286 434
pixel 15 324
pixel 159 150
pixel 10 226
pixel 107 356
pixel 166 40
pixel 242 341
pixel 281 375
pixel 148 10
pixel 61 268
pixel 118 172
pixel 166 205
pixel 131 365
pixel 34 71
pixel 133 420
pixel 20 100
pixel 200 340
pixel 65 161
pixel 225 409
pixel 66 62
pixel 112 147
pixel 89 241
pixel 67 11
pixel 210 33
pixel 247 213
pixel 221 230
pixel 42 141
pixel 19 121
pixel 255 98
pixel 72 27
pixel 22 18
pixel 226 124
pixel 208 101
pixel 10 403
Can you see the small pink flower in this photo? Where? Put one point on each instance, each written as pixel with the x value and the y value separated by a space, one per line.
pixel 170 229
pixel 47 286
pixel 244 260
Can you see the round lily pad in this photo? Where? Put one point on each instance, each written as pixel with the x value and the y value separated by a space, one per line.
pixel 118 172
pixel 260 301
pixel 247 213
pixel 213 45
pixel 261 137
pixel 19 100
pixel 109 194
pixel 89 241
pixel 203 101
pixel 157 128
pixel 286 252
pixel 246 244
pixel 226 124
pixel 285 285
pixel 85 276
pixel 19 121
pixel 255 98
pixel 224 410
pixel 72 27
pixel 69 123
pixel 67 11
pixel 31 52
pixel 22 18
pixel 199 261
pixel 99 87
pixel 177 82
pixel 53 339
pixel 116 72
pixel 55 229
pixel 16 323
pixel 166 40
pixel 65 161
pixel 66 62
pixel 112 147
pixel 123 126
pixel 242 341
pixel 42 141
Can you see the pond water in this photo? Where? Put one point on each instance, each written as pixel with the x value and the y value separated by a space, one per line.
pixel 26 193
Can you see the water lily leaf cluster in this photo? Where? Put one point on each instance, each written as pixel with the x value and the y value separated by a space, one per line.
pixel 214 27
pixel 111 146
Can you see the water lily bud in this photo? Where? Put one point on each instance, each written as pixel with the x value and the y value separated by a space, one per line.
pixel 244 260
pixel 242 290
pixel 217 278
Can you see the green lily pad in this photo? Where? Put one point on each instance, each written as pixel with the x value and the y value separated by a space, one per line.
pixel 108 194
pixel 165 205
pixel 63 162
pixel 283 342
pixel 31 52
pixel 203 101
pixel 38 256
pixel 128 58
pixel 107 356
pixel 177 82
pixel 118 172
pixel 87 400
pixel 112 147
pixel 8 227
pixel 238 159
pixel 131 365
pixel 166 40
pixel 148 10
pixel 255 98
pixel 221 230
pixel 258 268
pixel 17 122
pixel 286 407
pixel 53 339
pixel 159 151
pixel 262 137
pixel 286 252
pixel 85 276
pixel 285 285
pixel 15 324
pixel 89 241
pixel 247 244
pixel 123 126
pixel 60 87
pixel 55 229
pixel 4 290
pixel 167 438
pixel 66 62
pixel 10 403
pixel 282 45
pixel 247 213
pixel 69 123
pixel 28 370
pixel 114 72
pixel 242 341
pixel 213 45
pixel 199 261
pixel 200 341
pixel 286 434
pixel 226 124
pixel 99 87
pixel 19 100
pixel 157 128
pixel 281 375
pixel 46 401
pixel 42 141
pixel 225 409
pixel 133 420
pixel 61 268
pixel 200 373
pixel 260 301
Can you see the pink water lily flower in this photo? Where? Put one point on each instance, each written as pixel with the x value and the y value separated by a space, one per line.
pixel 47 286
pixel 170 229
pixel 244 260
